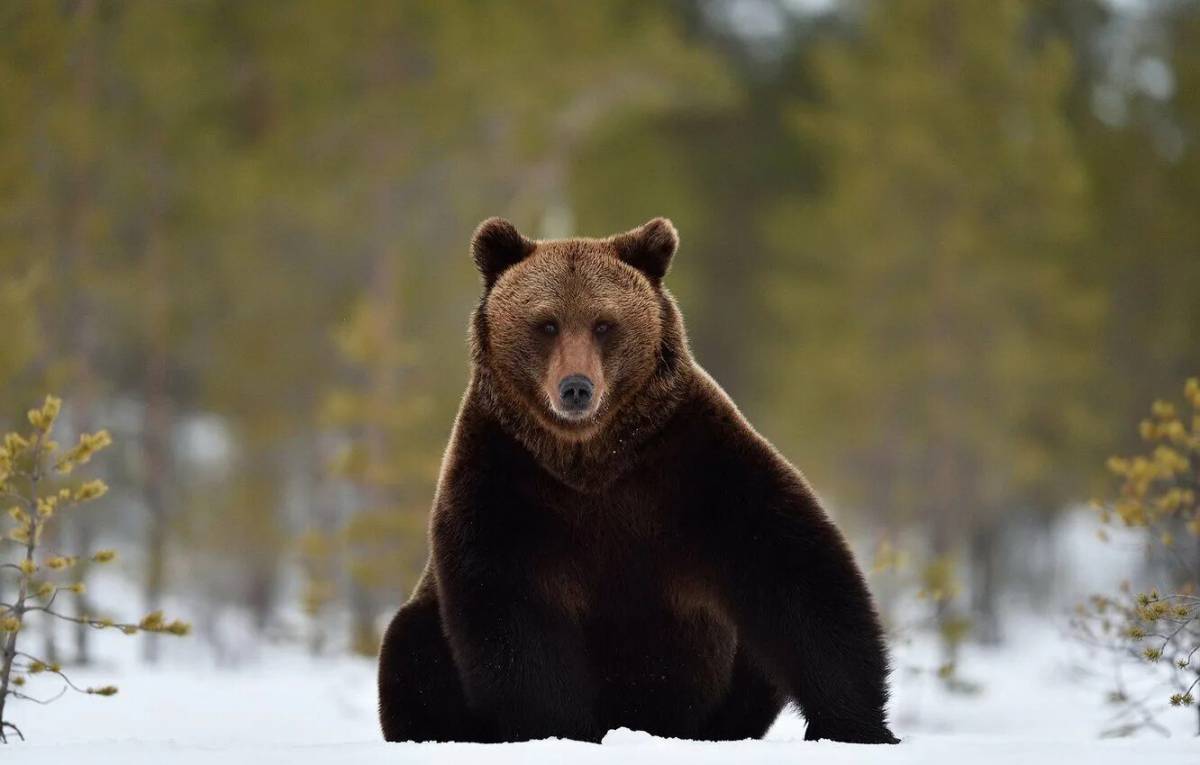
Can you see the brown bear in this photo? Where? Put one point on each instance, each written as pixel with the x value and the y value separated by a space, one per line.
pixel 613 545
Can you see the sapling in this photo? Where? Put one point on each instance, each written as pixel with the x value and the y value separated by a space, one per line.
pixel 36 480
pixel 1156 630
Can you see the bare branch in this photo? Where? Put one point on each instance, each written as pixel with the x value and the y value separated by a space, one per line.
pixel 5 724
pixel 9 496
pixel 51 669
pixel 26 697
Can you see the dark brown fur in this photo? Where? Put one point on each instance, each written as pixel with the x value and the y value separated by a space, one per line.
pixel 655 564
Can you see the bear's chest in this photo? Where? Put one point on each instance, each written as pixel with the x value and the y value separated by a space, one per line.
pixel 652 630
pixel 625 571
pixel 623 568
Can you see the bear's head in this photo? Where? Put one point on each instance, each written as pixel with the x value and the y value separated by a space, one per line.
pixel 573 329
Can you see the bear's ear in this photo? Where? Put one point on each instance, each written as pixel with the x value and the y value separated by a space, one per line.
pixel 496 247
pixel 649 248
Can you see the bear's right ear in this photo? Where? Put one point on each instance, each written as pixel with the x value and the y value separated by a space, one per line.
pixel 496 247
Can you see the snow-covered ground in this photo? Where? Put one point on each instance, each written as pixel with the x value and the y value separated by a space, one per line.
pixel 1040 700
pixel 288 708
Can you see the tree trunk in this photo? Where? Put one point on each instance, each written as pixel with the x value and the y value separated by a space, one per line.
pixel 261 594
pixel 364 637
pixel 156 430
pixel 82 330
pixel 985 561
pixel 383 387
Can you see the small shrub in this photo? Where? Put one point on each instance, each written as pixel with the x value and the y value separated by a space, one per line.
pixel 37 477
pixel 1157 630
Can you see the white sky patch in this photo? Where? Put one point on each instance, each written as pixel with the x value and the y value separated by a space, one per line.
pixel 812 6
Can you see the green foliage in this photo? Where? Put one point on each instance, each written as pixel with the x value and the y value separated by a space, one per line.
pixel 940 304
pixel 938 251
pixel 903 577
pixel 381 543
pixel 1159 489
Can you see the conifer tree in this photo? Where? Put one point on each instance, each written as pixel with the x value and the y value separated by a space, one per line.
pixel 1145 164
pixel 382 543
pixel 931 280
pixel 1158 627
pixel 492 124
pixel 36 476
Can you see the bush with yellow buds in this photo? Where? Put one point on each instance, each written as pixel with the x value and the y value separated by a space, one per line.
pixel 934 580
pixel 35 483
pixel 1156 493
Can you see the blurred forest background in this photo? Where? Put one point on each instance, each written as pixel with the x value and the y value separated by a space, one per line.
pixel 942 253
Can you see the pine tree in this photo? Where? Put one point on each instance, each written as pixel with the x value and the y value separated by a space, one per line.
pixel 1158 628
pixel 937 320
pixel 35 474
pixel 392 473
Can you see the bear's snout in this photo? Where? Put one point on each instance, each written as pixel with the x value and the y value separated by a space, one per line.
pixel 573 382
pixel 575 393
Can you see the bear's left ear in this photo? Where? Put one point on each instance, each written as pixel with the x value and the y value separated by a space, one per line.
pixel 496 247
pixel 649 248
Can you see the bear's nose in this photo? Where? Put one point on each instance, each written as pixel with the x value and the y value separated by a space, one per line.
pixel 575 391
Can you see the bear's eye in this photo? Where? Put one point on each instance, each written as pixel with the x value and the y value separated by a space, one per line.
pixel 602 327
pixel 549 328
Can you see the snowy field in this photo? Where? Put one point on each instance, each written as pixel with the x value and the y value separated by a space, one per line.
pixel 1034 707
pixel 1041 700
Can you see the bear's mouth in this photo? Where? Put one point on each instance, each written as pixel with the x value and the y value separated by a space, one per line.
pixel 574 399
pixel 574 416
pixel 574 421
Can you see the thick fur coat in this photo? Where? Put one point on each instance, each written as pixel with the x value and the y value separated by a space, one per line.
pixel 645 559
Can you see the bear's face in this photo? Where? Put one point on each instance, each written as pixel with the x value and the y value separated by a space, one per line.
pixel 573 326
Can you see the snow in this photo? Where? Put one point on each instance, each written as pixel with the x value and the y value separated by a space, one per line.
pixel 630 748
pixel 1041 700
pixel 290 708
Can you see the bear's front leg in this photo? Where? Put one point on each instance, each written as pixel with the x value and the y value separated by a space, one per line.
pixel 802 606
pixel 523 667
pixel 522 662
